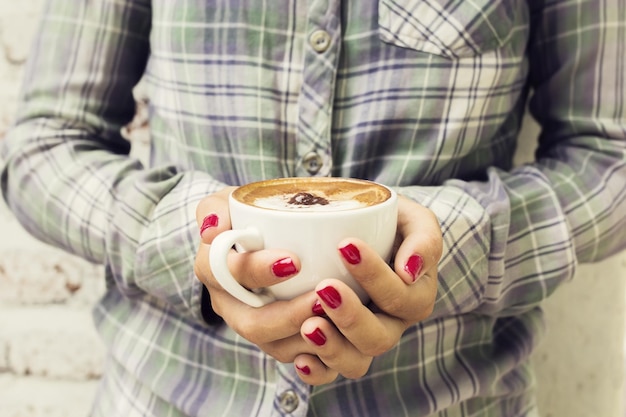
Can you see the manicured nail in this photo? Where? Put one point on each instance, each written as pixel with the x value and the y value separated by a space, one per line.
pixel 304 369
pixel 317 337
pixel 284 267
pixel 209 221
pixel 351 254
pixel 331 296
pixel 317 309
pixel 414 266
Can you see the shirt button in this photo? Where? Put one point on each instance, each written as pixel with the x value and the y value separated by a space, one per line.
pixel 288 401
pixel 320 40
pixel 312 162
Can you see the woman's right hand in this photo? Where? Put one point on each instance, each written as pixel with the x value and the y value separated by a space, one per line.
pixel 275 328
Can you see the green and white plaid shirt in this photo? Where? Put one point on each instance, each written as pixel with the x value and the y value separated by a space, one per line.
pixel 423 95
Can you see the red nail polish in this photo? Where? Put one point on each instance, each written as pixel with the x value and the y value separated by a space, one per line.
pixel 317 309
pixel 414 266
pixel 304 369
pixel 317 337
pixel 331 296
pixel 209 221
pixel 351 254
pixel 284 267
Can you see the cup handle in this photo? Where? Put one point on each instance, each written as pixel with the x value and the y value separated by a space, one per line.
pixel 250 240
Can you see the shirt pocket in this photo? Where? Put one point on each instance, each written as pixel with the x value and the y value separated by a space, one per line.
pixel 452 29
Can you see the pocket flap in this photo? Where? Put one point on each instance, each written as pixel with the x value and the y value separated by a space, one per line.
pixel 452 29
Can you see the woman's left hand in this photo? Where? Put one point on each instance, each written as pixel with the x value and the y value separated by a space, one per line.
pixel 351 335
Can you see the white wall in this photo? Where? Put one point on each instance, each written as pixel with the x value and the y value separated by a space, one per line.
pixel 50 355
pixel 51 358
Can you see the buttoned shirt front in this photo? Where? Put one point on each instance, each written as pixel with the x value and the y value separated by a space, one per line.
pixel 426 96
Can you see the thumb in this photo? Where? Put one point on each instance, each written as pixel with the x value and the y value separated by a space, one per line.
pixel 212 215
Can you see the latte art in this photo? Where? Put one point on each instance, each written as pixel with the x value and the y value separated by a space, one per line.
pixel 307 199
pixel 287 202
pixel 312 194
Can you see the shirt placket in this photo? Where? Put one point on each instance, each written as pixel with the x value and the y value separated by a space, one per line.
pixel 321 54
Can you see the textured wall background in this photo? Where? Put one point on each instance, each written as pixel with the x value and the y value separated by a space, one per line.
pixel 51 358
pixel 50 355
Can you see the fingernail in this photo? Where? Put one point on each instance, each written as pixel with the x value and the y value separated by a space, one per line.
pixel 351 254
pixel 304 369
pixel 317 309
pixel 331 296
pixel 317 337
pixel 414 266
pixel 209 221
pixel 284 267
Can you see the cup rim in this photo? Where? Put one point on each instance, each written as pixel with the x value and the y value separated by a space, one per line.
pixel 391 198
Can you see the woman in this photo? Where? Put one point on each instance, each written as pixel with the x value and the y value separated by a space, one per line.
pixel 424 96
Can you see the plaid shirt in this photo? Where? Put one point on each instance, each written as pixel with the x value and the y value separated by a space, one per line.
pixel 423 95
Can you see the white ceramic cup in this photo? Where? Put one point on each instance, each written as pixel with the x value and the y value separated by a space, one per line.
pixel 313 232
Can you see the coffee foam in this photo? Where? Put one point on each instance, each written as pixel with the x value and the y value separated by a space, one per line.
pixel 281 202
pixel 341 194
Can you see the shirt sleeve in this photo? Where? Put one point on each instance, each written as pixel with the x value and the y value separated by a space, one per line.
pixel 511 240
pixel 67 173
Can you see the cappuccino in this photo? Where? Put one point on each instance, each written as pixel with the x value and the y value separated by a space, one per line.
pixel 312 194
pixel 309 217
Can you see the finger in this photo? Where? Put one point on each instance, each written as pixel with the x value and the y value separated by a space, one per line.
pixel 410 303
pixel 371 334
pixel 333 349
pixel 313 371
pixel 422 242
pixel 288 349
pixel 221 300
pixel 212 214
pixel 263 268
pixel 263 325
pixel 252 270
